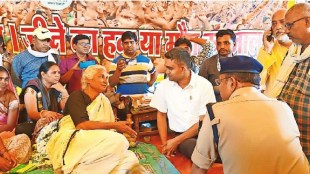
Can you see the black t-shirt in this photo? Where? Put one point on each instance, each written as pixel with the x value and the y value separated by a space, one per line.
pixel 76 107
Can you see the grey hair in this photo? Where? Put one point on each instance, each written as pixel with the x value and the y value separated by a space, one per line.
pixel 89 74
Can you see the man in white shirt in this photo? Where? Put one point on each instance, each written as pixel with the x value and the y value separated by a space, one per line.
pixel 182 98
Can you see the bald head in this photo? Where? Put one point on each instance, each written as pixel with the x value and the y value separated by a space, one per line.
pixel 301 9
pixel 279 13
pixel 297 21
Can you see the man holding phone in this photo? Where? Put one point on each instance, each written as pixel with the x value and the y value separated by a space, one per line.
pixel 129 71
pixel 72 67
pixel 276 44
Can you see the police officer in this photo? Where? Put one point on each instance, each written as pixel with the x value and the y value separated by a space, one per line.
pixel 255 134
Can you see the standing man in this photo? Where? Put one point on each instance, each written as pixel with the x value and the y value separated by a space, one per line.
pixel 262 138
pixel 26 64
pixel 182 98
pixel 71 69
pixel 209 69
pixel 129 72
pixel 293 81
pixel 276 44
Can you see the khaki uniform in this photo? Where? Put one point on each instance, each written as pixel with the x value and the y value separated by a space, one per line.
pixel 257 135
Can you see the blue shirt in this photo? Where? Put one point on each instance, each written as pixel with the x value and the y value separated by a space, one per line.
pixel 26 66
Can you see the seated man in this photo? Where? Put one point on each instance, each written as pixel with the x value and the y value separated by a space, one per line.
pixel 129 71
pixel 254 134
pixel 26 64
pixel 87 141
pixel 183 98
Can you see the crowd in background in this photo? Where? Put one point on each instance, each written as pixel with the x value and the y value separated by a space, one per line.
pixel 200 15
pixel 45 79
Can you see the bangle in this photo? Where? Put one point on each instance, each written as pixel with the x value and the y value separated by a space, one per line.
pixel 41 113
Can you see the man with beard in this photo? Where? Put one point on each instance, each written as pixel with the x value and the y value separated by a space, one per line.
pixel 26 64
pixel 71 68
pixel 293 81
pixel 209 69
pixel 181 98
pixel 276 44
pixel 129 71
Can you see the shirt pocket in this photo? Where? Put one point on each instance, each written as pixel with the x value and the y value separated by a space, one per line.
pixel 194 105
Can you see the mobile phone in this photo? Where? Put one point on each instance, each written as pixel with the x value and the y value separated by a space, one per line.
pixel 87 63
pixel 270 37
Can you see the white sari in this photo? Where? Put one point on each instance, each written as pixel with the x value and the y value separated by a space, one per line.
pixel 91 151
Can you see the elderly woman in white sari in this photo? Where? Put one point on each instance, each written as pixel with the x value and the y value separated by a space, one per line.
pixel 88 140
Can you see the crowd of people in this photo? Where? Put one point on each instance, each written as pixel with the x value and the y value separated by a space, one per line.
pixel 219 106
pixel 202 15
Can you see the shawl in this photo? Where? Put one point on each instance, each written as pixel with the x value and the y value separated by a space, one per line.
pixel 49 55
pixel 293 57
pixel 49 100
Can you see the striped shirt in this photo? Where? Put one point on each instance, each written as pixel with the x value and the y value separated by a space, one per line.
pixel 296 93
pixel 133 79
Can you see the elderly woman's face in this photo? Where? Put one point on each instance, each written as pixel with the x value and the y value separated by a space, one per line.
pixel 4 81
pixel 99 81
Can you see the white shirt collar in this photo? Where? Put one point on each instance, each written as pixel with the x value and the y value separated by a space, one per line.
pixel 192 82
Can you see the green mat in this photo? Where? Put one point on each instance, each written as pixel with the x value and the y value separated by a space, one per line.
pixel 152 160
pixel 21 169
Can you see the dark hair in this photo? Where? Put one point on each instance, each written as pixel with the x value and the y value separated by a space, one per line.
pixel 129 35
pixel 229 32
pixel 80 37
pixel 3 69
pixel 181 41
pixel 45 67
pixel 181 55
pixel 245 77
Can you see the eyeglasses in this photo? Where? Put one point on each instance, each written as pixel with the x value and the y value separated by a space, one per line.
pixel 289 25
pixel 219 81
pixel 85 44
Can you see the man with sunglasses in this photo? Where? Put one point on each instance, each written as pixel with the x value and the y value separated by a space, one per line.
pixel 26 64
pixel 254 133
pixel 274 49
pixel 293 81
pixel 72 67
